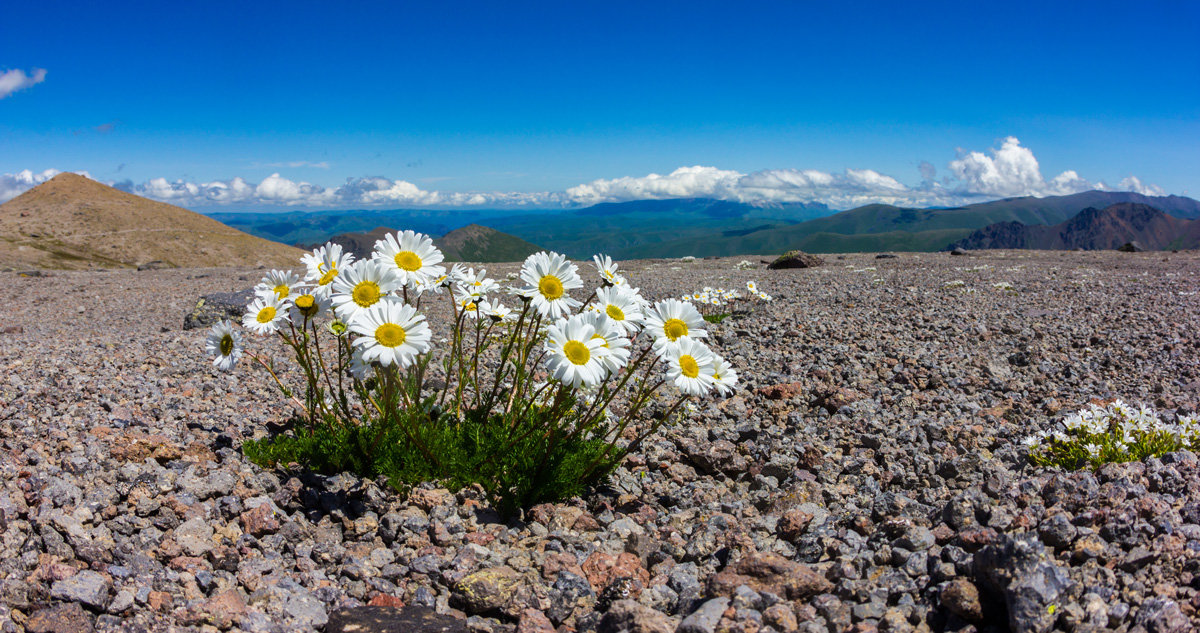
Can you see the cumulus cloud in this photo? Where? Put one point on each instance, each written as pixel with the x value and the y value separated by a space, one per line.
pixel 1007 171
pixel 13 185
pixel 14 80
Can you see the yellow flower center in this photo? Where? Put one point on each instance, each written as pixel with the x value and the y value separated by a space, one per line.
pixel 603 341
pixel 226 345
pixel 408 260
pixel 550 287
pixel 390 335
pixel 366 293
pixel 266 315
pixel 576 352
pixel 688 366
pixel 614 313
pixel 675 328
pixel 281 291
pixel 306 304
pixel 327 277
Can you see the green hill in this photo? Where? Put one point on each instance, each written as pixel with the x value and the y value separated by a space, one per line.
pixel 475 243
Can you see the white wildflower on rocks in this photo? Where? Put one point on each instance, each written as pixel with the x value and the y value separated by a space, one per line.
pixel 548 277
pixel 224 344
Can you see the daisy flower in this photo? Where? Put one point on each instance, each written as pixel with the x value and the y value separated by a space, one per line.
pixel 467 304
pixel 548 277
pixel 621 307
pixel 752 287
pixel 224 344
pixel 308 304
pixel 574 357
pixel 606 267
pixel 724 376
pixel 324 264
pixel 412 255
pixel 690 366
pixel 359 368
pixel 495 311
pixel 477 285
pixel 280 283
pixel 361 286
pixel 391 333
pixel 265 314
pixel 614 340
pixel 671 319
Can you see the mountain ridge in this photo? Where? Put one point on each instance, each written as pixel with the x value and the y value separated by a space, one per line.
pixel 74 222
pixel 1092 229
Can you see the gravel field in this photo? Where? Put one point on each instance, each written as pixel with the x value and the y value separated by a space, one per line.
pixel 867 474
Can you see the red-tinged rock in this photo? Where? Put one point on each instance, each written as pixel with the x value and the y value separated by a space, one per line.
pixel 585 523
pixel 190 564
pixel 260 520
pixel 385 600
pixel 976 537
pixel 769 572
pixel 429 499
pixel 64 618
pixel 792 524
pixel 534 621
pixel 782 391
pixel 560 561
pixel 943 533
pixel 479 538
pixel 159 601
pixel 600 569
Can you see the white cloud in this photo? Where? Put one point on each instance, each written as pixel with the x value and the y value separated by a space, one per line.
pixel 14 80
pixel 13 185
pixel 1009 171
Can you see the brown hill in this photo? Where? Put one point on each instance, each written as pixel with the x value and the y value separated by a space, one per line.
pixel 1092 229
pixel 74 222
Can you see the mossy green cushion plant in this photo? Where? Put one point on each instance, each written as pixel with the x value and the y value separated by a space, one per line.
pixel 1112 432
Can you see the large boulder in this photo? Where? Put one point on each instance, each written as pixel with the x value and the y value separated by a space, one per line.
pixel 795 259
pixel 217 306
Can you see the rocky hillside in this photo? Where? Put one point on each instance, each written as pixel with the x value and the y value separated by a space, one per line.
pixel 73 222
pixel 1092 229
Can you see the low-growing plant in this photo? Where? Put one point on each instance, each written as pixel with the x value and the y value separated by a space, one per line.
pixel 1111 432
pixel 718 304
pixel 533 403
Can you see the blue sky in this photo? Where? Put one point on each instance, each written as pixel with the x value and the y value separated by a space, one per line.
pixel 259 105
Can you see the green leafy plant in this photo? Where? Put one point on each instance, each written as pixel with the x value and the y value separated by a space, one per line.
pixel 533 404
pixel 1111 432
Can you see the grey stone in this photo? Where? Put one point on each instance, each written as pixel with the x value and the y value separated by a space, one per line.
pixel 86 587
pixel 1020 569
pixel 217 306
pixel 627 616
pixel 704 619
pixel 195 536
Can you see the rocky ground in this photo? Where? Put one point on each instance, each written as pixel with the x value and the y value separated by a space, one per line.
pixel 866 476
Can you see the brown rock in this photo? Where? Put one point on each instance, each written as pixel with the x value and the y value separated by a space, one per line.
pixel 385 600
pixel 429 499
pixel 627 616
pixel 260 520
pixel 792 525
pixel 782 391
pixel 769 572
pixel 64 618
pixel 534 621
pixel 159 601
pixel 781 618
pixel 391 620
pixel 795 259
pixel 560 561
pixel 224 609
pixel 600 569
pixel 961 597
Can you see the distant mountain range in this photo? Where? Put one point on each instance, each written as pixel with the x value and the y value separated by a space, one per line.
pixel 471 243
pixel 1093 229
pixel 73 222
pixel 703 227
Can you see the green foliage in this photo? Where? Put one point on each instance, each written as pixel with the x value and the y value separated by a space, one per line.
pixel 519 462
pixel 716 318
pixel 1112 433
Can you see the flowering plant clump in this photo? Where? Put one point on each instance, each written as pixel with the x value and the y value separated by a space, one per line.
pixel 533 394
pixel 1112 432
pixel 717 304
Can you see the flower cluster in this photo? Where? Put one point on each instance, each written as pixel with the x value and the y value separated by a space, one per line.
pixel 1111 432
pixel 524 361
pixel 718 303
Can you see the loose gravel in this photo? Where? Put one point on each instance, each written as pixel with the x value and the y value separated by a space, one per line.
pixel 867 474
